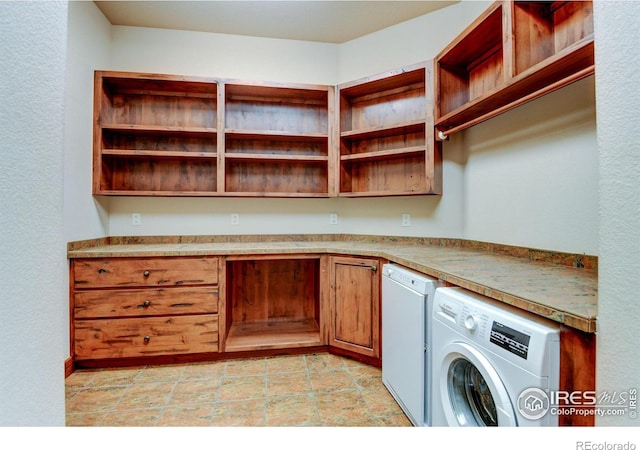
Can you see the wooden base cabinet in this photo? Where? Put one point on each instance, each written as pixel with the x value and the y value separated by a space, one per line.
pixel 355 305
pixel 140 307
pixel 273 302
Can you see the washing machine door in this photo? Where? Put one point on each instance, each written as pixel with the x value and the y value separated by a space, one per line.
pixel 471 390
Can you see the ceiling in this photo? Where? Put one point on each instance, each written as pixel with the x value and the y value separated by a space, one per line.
pixel 307 20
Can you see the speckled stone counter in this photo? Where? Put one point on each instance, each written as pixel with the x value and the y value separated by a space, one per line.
pixel 560 286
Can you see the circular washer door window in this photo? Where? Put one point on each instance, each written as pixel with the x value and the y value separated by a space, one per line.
pixel 473 393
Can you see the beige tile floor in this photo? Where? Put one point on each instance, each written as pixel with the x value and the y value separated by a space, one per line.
pixel 295 390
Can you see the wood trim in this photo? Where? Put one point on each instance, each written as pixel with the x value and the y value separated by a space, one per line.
pixel 68 367
pixel 577 369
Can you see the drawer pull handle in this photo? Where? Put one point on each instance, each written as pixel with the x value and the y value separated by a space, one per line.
pixel 147 339
pixel 146 303
pixel 146 273
pixel 101 270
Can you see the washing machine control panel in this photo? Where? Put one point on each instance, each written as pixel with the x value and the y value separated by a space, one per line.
pixel 475 322
pixel 509 339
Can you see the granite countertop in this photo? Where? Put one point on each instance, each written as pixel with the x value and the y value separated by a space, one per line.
pixel 542 282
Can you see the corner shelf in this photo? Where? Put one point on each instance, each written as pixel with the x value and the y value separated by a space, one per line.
pixel 514 52
pixel 386 135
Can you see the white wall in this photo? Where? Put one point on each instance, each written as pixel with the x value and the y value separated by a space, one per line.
pixel 220 55
pixel 241 57
pixel 34 292
pixel 89 36
pixel 552 207
pixel 531 176
pixel 618 98
pixel 415 40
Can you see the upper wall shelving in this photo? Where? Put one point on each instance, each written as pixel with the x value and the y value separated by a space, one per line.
pixel 386 137
pixel 514 52
pixel 168 135
pixel 154 134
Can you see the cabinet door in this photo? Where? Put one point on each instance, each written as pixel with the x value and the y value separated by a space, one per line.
pixel 355 305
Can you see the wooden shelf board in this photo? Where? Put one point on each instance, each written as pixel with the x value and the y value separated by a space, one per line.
pixel 382 82
pixel 160 129
pixel 382 154
pixel 384 193
pixel 571 64
pixel 162 85
pixel 392 130
pixel 275 135
pixel 281 94
pixel 275 157
pixel 272 334
pixel 276 194
pixel 159 193
pixel 159 154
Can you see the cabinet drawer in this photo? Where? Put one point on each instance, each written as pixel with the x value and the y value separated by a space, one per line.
pixel 152 336
pixel 121 272
pixel 145 302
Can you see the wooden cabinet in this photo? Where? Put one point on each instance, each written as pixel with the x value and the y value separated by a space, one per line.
pixel 164 135
pixel 387 143
pixel 355 305
pixel 154 135
pixel 139 307
pixel 277 140
pixel 514 52
pixel 273 302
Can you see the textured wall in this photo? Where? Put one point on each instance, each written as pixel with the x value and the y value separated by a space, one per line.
pixel 618 100
pixel 34 274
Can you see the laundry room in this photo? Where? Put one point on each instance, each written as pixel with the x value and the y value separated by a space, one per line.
pixel 414 219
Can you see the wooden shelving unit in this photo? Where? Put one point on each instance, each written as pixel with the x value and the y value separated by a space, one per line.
pixel 165 135
pixel 514 52
pixel 272 302
pixel 386 137
pixel 154 135
pixel 277 140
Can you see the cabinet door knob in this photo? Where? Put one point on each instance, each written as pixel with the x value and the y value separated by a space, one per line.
pixel 147 339
pixel 374 268
pixel 146 273
pixel 146 303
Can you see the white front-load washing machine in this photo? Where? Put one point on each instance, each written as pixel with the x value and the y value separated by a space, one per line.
pixel 493 364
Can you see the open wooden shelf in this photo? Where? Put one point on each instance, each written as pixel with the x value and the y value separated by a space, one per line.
pixel 472 65
pixel 167 135
pixel 514 52
pixel 380 135
pixel 273 334
pixel 386 143
pixel 154 134
pixel 272 302
pixel 277 140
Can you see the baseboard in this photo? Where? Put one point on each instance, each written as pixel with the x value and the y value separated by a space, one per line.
pixel 68 367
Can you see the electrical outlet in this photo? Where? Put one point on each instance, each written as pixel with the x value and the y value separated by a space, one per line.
pixel 136 219
pixel 235 219
pixel 333 219
pixel 406 220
